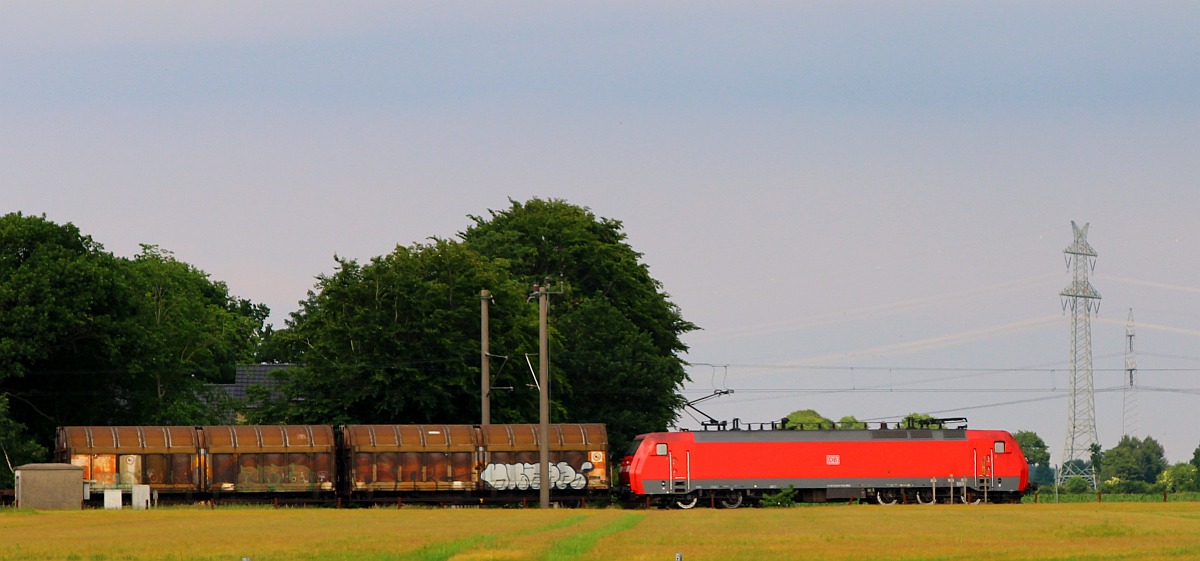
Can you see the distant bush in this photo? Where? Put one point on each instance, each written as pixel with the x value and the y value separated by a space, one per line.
pixel 1077 485
pixel 1117 485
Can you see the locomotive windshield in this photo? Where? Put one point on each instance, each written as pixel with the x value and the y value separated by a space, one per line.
pixel 633 446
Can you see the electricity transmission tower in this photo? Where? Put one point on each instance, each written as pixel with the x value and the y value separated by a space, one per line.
pixel 1083 301
pixel 1129 409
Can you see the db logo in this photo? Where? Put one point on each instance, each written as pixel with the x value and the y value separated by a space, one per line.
pixel 833 460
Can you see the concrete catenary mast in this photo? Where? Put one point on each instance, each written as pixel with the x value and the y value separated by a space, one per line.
pixel 1083 300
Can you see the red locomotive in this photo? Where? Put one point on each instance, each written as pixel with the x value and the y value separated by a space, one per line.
pixel 724 468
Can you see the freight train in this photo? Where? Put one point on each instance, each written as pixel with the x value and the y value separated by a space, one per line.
pixel 499 463
pixel 359 463
pixel 727 468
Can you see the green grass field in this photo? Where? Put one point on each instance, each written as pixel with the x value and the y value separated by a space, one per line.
pixel 983 532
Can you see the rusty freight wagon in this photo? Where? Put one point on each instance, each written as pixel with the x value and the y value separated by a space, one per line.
pixel 436 463
pixel 498 462
pixel 269 459
pixel 168 459
pixel 203 461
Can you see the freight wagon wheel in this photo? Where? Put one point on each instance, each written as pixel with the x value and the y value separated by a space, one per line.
pixel 732 501
pixel 688 502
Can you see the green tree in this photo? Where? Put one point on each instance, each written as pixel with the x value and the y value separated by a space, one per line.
pixel 1032 445
pixel 1133 459
pixel 807 419
pixel 397 341
pixel 917 420
pixel 607 298
pixel 1043 474
pixel 1096 457
pixel 66 304
pixel 1181 477
pixel 92 339
pixel 1037 454
pixel 189 332
pixel 850 422
pixel 16 445
pixel 607 354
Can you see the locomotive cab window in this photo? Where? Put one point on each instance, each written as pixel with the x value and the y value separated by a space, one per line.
pixel 660 449
pixel 1000 449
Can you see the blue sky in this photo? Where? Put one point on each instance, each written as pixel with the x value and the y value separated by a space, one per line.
pixel 863 205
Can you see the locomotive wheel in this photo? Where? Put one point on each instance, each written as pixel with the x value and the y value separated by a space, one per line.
pixel 922 501
pixel 687 502
pixel 732 501
pixel 879 497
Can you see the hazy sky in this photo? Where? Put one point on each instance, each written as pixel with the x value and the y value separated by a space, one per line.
pixel 863 204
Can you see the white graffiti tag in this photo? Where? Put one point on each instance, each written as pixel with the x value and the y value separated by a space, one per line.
pixel 525 476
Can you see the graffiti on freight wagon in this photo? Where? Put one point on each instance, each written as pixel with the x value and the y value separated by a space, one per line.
pixel 524 476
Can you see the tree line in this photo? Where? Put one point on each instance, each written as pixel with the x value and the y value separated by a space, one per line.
pixel 89 338
pixel 1134 465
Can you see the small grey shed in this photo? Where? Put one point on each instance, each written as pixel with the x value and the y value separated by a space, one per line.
pixel 49 486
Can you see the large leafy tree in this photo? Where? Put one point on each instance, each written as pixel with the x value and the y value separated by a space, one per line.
pixel 611 372
pixel 188 332
pixel 1133 460
pixel 90 338
pixel 1037 455
pixel 64 310
pixel 396 340
pixel 621 335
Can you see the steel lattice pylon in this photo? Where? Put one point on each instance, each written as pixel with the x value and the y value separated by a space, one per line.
pixel 1083 300
pixel 1129 408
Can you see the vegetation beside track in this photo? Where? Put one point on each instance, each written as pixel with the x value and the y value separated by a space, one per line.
pixel 1101 497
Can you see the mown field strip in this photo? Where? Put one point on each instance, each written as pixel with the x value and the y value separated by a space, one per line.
pixel 1109 531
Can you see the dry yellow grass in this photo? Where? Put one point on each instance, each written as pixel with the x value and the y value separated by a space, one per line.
pixel 991 532
pixel 1008 532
